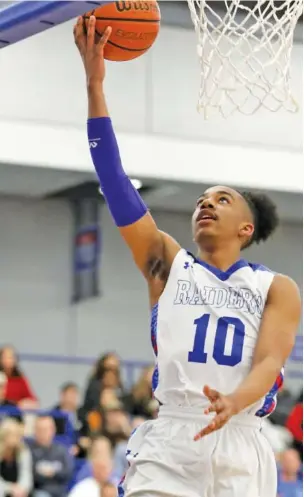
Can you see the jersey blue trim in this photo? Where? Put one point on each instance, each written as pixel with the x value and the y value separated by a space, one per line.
pixel 120 489
pixel 154 317
pixel 221 275
pixel 155 378
pixel 259 267
pixel 225 275
pixel 270 401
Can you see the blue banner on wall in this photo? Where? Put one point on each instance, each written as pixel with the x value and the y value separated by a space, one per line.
pixel 86 249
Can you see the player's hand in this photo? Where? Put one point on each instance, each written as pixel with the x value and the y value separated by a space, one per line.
pixel 223 405
pixel 91 52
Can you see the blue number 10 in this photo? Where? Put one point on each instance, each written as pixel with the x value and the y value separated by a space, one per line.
pixel 198 353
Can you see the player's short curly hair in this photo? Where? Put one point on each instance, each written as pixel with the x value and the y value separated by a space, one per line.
pixel 265 216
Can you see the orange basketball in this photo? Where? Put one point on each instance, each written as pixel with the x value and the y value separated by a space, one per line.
pixel 135 26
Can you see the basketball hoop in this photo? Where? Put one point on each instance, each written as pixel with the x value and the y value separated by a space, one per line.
pixel 244 53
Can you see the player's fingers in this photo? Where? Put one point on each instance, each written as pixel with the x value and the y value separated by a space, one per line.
pixel 210 393
pixel 220 420
pixel 79 36
pixel 205 431
pixel 217 423
pixel 104 39
pixel 91 33
pixel 209 409
pixel 214 407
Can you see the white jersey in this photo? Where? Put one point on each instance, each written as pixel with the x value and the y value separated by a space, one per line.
pixel 204 331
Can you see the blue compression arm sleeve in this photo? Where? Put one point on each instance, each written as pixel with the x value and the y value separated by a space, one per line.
pixel 124 201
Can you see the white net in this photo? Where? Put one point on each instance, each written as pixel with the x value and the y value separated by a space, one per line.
pixel 244 53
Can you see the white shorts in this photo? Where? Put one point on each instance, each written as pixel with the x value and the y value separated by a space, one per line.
pixel 235 461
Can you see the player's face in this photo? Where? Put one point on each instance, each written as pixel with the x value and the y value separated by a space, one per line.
pixel 221 214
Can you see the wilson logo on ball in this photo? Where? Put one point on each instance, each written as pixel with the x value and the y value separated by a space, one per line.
pixel 126 6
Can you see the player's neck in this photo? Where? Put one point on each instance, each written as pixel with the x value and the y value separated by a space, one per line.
pixel 222 258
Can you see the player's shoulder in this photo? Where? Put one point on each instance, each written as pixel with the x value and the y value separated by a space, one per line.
pixel 285 298
pixel 280 282
pixel 284 284
pixel 181 254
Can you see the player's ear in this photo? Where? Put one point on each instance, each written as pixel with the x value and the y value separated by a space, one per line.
pixel 247 230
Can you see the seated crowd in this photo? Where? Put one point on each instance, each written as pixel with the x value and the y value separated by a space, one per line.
pixel 78 448
pixel 74 447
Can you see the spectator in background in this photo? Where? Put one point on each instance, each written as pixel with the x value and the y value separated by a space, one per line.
pixel 107 362
pixel 294 424
pixel 93 486
pixel 117 424
pixel 52 465
pixel 15 461
pixel 118 430
pixel 285 401
pixel 138 401
pixel 69 404
pixel 107 399
pixel 100 449
pixel 110 379
pixel 290 483
pixel 100 461
pixel 109 490
pixel 278 436
pixel 136 422
pixel 18 389
pixel 7 408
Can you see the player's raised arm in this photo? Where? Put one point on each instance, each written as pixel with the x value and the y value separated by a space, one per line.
pixel 151 249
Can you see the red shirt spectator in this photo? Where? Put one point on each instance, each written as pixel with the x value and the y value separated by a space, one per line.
pixel 18 389
pixel 294 421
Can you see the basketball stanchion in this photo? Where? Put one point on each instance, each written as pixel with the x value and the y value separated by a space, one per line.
pixel 24 19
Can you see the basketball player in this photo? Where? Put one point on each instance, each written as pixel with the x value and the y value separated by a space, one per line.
pixel 222 328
